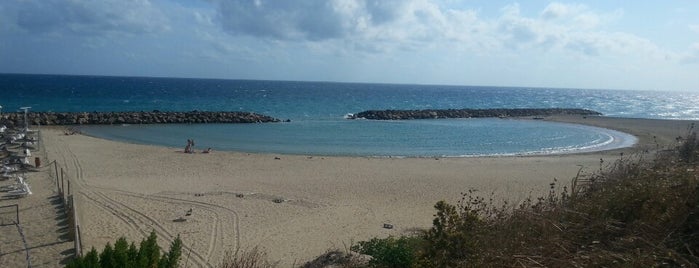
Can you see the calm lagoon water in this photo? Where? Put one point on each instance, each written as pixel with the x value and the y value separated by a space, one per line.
pixel 418 138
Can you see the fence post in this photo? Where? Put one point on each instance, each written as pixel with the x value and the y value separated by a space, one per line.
pixel 55 167
pixel 63 187
pixel 61 181
pixel 79 248
pixel 71 215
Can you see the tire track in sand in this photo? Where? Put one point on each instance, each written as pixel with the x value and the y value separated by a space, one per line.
pixel 163 231
pixel 217 236
pixel 84 189
pixel 212 207
pixel 135 220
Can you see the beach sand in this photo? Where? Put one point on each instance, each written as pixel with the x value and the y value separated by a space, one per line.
pixel 40 238
pixel 297 207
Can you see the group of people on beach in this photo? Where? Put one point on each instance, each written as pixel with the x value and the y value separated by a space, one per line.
pixel 189 149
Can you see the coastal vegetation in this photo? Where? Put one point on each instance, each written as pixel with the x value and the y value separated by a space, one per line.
pixel 124 255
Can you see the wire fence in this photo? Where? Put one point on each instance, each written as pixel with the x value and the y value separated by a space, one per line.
pixel 67 198
pixel 71 207
pixel 9 214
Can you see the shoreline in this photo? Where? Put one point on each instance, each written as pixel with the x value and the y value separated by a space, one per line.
pixel 648 131
pixel 326 202
pixel 606 139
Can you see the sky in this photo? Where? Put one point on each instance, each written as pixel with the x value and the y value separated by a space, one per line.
pixel 605 44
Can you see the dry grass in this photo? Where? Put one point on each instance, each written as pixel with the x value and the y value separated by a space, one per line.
pixel 634 213
pixel 252 258
pixel 337 259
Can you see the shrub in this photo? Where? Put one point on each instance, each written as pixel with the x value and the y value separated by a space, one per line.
pixel 171 258
pixel 253 258
pixel 389 252
pixel 689 148
pixel 450 242
pixel 125 255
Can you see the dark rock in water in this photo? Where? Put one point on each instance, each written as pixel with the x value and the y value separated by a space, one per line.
pixel 467 113
pixel 154 117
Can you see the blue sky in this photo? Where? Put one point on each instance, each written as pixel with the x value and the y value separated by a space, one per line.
pixel 647 45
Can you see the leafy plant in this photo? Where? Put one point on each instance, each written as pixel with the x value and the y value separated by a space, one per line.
pixel 389 252
pixel 125 255
pixel 252 258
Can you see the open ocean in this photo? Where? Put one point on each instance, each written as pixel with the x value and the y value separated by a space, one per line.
pixel 317 110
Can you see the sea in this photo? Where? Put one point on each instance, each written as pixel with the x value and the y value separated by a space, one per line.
pixel 317 112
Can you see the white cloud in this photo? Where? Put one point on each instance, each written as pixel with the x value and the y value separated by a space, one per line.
pixel 203 19
pixel 381 26
pixel 694 28
pixel 284 20
pixel 515 29
pixel 83 17
pixel 692 56
pixel 373 37
pixel 555 10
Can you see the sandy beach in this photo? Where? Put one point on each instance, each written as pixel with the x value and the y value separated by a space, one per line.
pixel 296 207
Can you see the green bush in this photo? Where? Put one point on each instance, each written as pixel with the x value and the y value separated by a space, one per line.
pixel 450 242
pixel 389 252
pixel 125 255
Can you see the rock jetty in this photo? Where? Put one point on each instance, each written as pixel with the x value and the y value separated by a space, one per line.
pixel 153 117
pixel 467 113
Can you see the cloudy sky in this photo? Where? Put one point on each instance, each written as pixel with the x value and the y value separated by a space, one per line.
pixel 649 45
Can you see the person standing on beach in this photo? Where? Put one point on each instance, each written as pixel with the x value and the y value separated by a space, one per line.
pixel 188 148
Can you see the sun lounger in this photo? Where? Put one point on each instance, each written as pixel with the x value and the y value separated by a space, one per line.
pixel 6 175
pixel 22 191
pixel 18 193
pixel 19 185
pixel 5 169
pixel 28 145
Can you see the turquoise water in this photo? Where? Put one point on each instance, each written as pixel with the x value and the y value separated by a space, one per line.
pixel 418 138
pixel 316 110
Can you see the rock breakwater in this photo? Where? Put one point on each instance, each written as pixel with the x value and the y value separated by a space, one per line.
pixel 153 117
pixel 467 113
